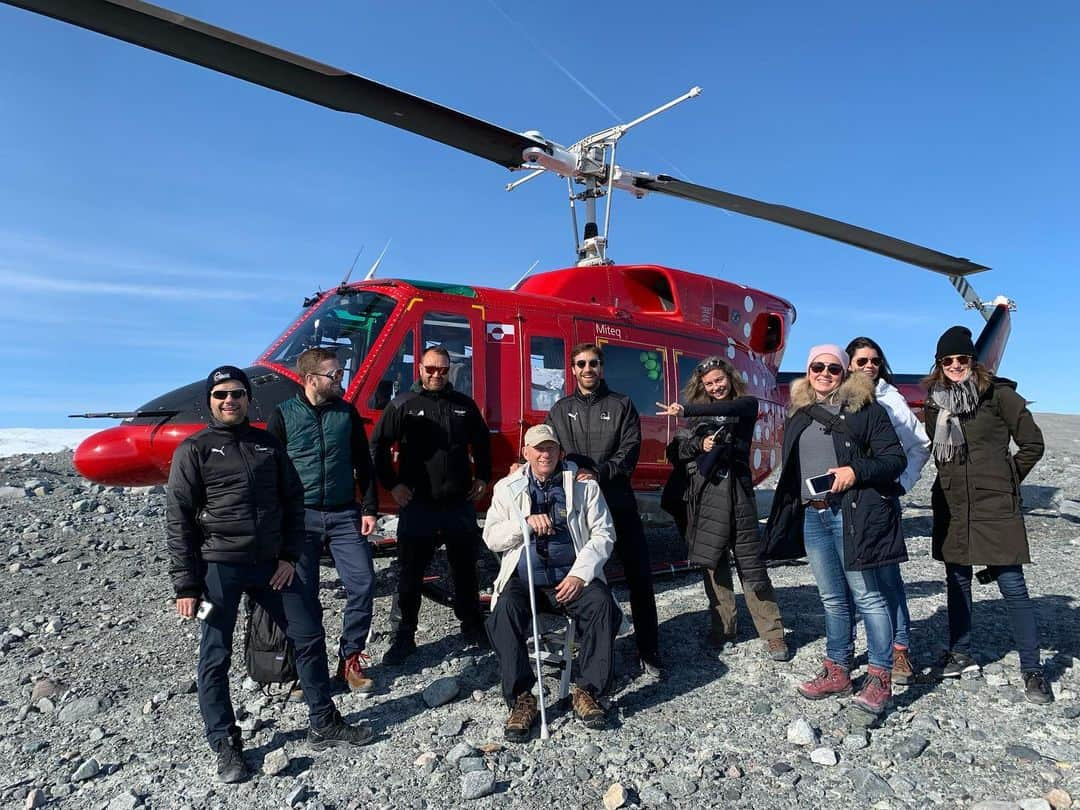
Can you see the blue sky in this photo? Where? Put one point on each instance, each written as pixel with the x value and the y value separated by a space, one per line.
pixel 157 219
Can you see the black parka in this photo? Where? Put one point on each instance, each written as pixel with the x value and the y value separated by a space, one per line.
pixel 721 509
pixel 233 497
pixel 871 508
pixel 976 502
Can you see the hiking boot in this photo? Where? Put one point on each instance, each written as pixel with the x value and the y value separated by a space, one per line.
pixel 337 734
pixel 522 718
pixel 903 671
pixel 587 708
pixel 399 651
pixel 651 666
pixel 351 671
pixel 956 664
pixel 876 691
pixel 475 635
pixel 231 767
pixel 1036 689
pixel 778 649
pixel 833 679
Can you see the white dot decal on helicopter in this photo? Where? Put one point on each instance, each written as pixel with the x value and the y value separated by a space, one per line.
pixel 731 352
pixel 757 457
pixel 746 329
pixel 748 302
pixel 757 431
pixel 773 457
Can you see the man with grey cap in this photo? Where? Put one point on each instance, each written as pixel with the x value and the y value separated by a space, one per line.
pixel 571 539
pixel 235 525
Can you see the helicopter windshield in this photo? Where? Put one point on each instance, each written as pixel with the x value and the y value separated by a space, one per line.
pixel 348 323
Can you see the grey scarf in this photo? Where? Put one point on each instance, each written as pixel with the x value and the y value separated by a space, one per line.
pixel 954 401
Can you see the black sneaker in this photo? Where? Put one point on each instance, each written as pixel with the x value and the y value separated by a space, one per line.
pixel 956 664
pixel 399 651
pixel 1036 689
pixel 231 767
pixel 338 734
pixel 475 636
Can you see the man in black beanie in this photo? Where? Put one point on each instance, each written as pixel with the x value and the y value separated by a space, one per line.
pixel 956 340
pixel 235 525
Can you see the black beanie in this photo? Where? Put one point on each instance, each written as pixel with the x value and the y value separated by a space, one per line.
pixel 223 374
pixel 955 340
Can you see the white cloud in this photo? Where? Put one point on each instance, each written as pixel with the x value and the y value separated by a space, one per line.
pixel 11 279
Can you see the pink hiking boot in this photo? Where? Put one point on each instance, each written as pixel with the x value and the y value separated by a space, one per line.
pixel 832 680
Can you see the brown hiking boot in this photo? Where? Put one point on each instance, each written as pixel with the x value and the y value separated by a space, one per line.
pixel 522 717
pixel 903 671
pixel 778 649
pixel 833 679
pixel 876 692
pixel 587 708
pixel 351 671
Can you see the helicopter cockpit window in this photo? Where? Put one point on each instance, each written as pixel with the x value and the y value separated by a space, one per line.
pixel 636 372
pixel 547 370
pixel 347 323
pixel 399 375
pixel 454 334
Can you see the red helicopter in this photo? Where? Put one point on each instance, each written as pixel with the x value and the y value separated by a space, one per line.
pixel 509 348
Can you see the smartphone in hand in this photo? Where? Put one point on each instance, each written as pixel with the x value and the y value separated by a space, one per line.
pixel 820 484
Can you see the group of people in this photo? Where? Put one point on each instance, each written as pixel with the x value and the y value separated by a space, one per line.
pixel 251 511
pixel 851 448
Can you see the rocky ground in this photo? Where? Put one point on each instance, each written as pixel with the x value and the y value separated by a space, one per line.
pixel 97 706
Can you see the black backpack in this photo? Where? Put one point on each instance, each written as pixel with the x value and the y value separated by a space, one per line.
pixel 268 653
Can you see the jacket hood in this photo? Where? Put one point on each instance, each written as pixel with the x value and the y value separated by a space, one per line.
pixel 855 393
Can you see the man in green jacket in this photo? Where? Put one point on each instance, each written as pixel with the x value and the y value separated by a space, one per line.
pixel 325 439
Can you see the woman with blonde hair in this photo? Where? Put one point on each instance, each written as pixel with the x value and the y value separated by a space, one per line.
pixel 971 417
pixel 721 512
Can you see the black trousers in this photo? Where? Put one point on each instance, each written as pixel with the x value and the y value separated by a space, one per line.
pixel 633 551
pixel 422 528
pixel 509 626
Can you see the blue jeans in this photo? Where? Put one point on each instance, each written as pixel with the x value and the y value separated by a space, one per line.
pixel 352 558
pixel 892 583
pixel 823 536
pixel 1010 581
pixel 292 608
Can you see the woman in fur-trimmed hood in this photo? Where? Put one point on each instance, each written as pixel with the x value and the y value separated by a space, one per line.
pixel 971 417
pixel 848 527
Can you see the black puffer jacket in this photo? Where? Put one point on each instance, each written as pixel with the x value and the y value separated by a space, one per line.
pixel 233 497
pixel 601 431
pixel 721 509
pixel 434 431
pixel 872 533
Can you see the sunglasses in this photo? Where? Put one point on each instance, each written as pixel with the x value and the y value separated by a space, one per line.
pixel 959 360
pixel 233 393
pixel 862 361
pixel 834 369
pixel 330 375
pixel 593 363
pixel 437 371
pixel 705 368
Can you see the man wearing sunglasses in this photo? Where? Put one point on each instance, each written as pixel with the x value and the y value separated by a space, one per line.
pixel 600 430
pixel 325 439
pixel 235 525
pixel 435 429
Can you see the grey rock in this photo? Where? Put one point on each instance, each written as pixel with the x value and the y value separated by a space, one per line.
pixel 35 798
pixel 994 804
pixel 912 747
pixel 869 784
pixel 1023 752
pixel 298 795
pixel 441 692
pixel 800 732
pixel 653 794
pixel 11 493
pixel 470 764
pixel 124 801
pixel 451 727
pixel 477 784
pixel 780 768
pixel 1038 803
pixel 1070 712
pixel 761 707
pixel 44 689
pixel 855 740
pixel 275 762
pixel 459 752
pixel 677 787
pixel 87 770
pixel 61 791
pixel 81 709
pixel 34 746
pixel 824 756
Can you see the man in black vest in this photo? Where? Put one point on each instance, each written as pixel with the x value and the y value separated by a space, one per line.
pixel 325 439
pixel 434 427
pixel 235 524
pixel 600 431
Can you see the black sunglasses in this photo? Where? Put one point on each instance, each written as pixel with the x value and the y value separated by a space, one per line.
pixel 232 393
pixel 833 368
pixel 862 361
pixel 960 360
pixel 592 363
pixel 437 371
pixel 330 375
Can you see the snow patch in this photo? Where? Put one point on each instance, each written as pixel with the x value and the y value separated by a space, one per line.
pixel 17 441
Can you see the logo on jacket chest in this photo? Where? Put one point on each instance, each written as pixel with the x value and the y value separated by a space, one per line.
pixel 219 450
pixel 605 416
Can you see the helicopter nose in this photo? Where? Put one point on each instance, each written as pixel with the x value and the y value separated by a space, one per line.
pixel 120 455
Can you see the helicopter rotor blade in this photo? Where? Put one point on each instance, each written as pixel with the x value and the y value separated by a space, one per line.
pixel 177 35
pixel 812 223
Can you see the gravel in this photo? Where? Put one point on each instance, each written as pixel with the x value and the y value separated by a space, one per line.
pixel 98 710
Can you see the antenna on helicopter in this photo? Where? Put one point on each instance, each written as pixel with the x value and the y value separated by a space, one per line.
pixel 345 281
pixel 371 273
pixel 524 275
pixel 591 162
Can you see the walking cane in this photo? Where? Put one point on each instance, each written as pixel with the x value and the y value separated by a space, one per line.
pixel 527 536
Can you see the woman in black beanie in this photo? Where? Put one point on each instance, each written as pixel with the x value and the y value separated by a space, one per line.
pixel 970 418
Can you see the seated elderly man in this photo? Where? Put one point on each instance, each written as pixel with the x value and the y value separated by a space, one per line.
pixel 572 537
